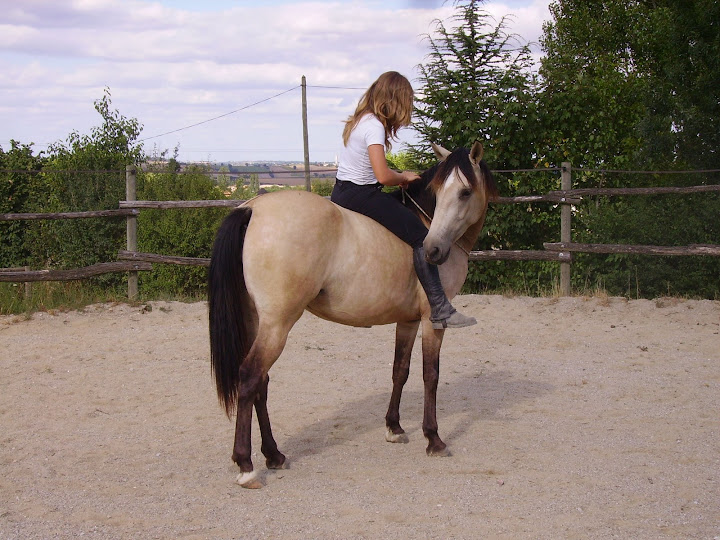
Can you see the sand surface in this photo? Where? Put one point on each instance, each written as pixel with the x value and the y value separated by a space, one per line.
pixel 566 418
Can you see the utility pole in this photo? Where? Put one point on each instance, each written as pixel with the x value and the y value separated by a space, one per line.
pixel 308 186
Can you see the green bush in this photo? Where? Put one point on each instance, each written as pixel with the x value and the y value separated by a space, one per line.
pixel 183 232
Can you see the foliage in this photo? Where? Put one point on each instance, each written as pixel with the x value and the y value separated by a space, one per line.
pixel 590 87
pixel 624 84
pixel 632 85
pixel 678 52
pixel 676 220
pixel 634 82
pixel 19 173
pixel 86 172
pixel 405 161
pixel 322 186
pixel 183 232
pixel 478 85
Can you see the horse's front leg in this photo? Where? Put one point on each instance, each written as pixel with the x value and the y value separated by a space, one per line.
pixel 404 339
pixel 431 342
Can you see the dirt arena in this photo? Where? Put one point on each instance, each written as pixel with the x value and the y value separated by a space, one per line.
pixel 566 418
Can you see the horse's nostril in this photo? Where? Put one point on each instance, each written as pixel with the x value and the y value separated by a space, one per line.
pixel 432 255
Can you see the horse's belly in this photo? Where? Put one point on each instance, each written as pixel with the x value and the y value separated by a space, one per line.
pixel 368 308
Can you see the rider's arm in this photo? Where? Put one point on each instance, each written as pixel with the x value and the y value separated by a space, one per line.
pixel 384 174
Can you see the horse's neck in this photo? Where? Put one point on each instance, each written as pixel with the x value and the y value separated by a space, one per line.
pixel 467 240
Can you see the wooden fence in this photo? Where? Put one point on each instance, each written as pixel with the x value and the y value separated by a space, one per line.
pixel 132 261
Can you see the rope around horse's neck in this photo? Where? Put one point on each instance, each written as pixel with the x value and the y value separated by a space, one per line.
pixel 424 213
pixel 406 194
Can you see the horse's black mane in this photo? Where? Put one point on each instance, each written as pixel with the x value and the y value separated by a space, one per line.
pixel 423 193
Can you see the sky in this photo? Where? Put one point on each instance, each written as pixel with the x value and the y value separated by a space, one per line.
pixel 233 67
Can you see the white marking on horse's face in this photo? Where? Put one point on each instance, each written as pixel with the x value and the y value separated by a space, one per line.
pixel 458 207
pixel 457 176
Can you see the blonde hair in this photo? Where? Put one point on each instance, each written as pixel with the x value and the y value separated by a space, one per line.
pixel 390 99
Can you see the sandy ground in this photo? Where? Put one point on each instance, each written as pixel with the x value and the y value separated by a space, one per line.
pixel 567 418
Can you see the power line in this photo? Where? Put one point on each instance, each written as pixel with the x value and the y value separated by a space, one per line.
pixel 336 87
pixel 231 112
pixel 221 116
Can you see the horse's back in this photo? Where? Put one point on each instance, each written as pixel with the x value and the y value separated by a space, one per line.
pixel 282 217
pixel 304 252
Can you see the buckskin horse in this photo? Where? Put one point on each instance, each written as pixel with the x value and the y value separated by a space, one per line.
pixel 282 253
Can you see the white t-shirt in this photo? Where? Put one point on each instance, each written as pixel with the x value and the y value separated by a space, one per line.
pixel 354 163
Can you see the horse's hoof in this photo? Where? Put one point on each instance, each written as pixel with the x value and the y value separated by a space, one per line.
pixel 438 452
pixel 249 480
pixel 277 463
pixel 396 437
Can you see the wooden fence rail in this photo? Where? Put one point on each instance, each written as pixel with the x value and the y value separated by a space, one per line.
pixel 124 212
pixel 73 274
pixel 124 255
pixel 166 205
pixel 132 261
pixel 694 249
pixel 612 192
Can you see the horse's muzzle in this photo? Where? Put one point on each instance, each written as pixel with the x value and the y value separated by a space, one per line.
pixel 435 255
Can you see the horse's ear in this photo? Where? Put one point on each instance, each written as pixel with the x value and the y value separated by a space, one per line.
pixel 440 152
pixel 476 152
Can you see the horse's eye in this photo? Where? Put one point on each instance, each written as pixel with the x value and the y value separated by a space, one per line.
pixel 465 194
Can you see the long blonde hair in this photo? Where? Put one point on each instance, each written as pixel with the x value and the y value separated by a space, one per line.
pixel 390 99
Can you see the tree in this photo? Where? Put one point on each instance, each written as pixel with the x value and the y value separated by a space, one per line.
pixel 631 84
pixel 681 57
pixel 478 84
pixel 87 172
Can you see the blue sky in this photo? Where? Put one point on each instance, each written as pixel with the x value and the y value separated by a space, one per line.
pixel 174 63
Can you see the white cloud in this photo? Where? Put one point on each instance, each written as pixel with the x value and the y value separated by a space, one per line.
pixel 171 67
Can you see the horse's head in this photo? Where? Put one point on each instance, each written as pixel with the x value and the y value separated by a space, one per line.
pixel 463 185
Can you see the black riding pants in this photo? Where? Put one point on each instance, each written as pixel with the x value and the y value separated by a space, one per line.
pixel 370 200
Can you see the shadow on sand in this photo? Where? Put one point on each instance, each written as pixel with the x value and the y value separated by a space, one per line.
pixel 463 402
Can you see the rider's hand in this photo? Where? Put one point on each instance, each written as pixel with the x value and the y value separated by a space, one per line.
pixel 408 176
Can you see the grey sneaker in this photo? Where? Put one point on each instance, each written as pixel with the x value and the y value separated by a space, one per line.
pixel 456 320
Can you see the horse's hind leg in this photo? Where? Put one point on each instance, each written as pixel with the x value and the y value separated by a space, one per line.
pixel 253 391
pixel 404 339
pixel 251 379
pixel 274 459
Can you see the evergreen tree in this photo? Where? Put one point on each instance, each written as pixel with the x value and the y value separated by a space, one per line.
pixel 478 84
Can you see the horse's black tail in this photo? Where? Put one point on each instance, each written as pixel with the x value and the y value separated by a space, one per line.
pixel 229 305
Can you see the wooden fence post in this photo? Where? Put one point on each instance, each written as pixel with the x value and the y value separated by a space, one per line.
pixel 565 227
pixel 306 149
pixel 28 286
pixel 131 195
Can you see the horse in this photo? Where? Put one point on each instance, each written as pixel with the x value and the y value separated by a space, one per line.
pixel 282 253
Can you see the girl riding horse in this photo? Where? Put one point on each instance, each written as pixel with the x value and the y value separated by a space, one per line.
pixel 363 171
